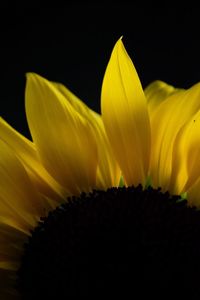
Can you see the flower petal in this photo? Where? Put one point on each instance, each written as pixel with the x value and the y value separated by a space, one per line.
pixel 19 201
pixel 63 138
pixel 166 123
pixel 108 172
pixel 77 103
pixel 26 152
pixel 186 153
pixel 125 116
pixel 156 92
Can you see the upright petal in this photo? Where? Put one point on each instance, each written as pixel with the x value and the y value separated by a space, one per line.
pixel 170 117
pixel 63 138
pixel 125 116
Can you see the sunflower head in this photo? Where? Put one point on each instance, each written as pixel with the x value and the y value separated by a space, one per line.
pixel 103 204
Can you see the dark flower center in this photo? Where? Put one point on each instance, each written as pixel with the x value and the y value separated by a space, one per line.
pixel 114 243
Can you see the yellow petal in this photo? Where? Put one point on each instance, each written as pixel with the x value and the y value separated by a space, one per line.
pixel 186 153
pixel 156 92
pixel 17 195
pixel 77 104
pixel 26 152
pixel 108 172
pixel 166 123
pixel 11 217
pixel 63 138
pixel 125 115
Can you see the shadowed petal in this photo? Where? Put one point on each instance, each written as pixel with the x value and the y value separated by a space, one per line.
pixel 7 277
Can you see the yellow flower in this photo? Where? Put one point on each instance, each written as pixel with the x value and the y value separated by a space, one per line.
pixel 145 136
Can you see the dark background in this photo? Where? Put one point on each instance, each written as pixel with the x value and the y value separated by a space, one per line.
pixel 71 43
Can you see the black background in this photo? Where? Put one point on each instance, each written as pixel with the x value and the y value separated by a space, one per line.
pixel 71 43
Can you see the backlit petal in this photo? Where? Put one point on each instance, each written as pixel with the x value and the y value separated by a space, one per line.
pixel 77 104
pixel 63 138
pixel 156 92
pixel 125 116
pixel 186 153
pixel 108 172
pixel 26 152
pixel 18 198
pixel 166 123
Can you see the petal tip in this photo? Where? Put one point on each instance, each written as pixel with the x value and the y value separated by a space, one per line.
pixel 30 75
pixel 119 42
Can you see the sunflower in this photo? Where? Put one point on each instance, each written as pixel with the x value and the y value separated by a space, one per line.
pixel 102 204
